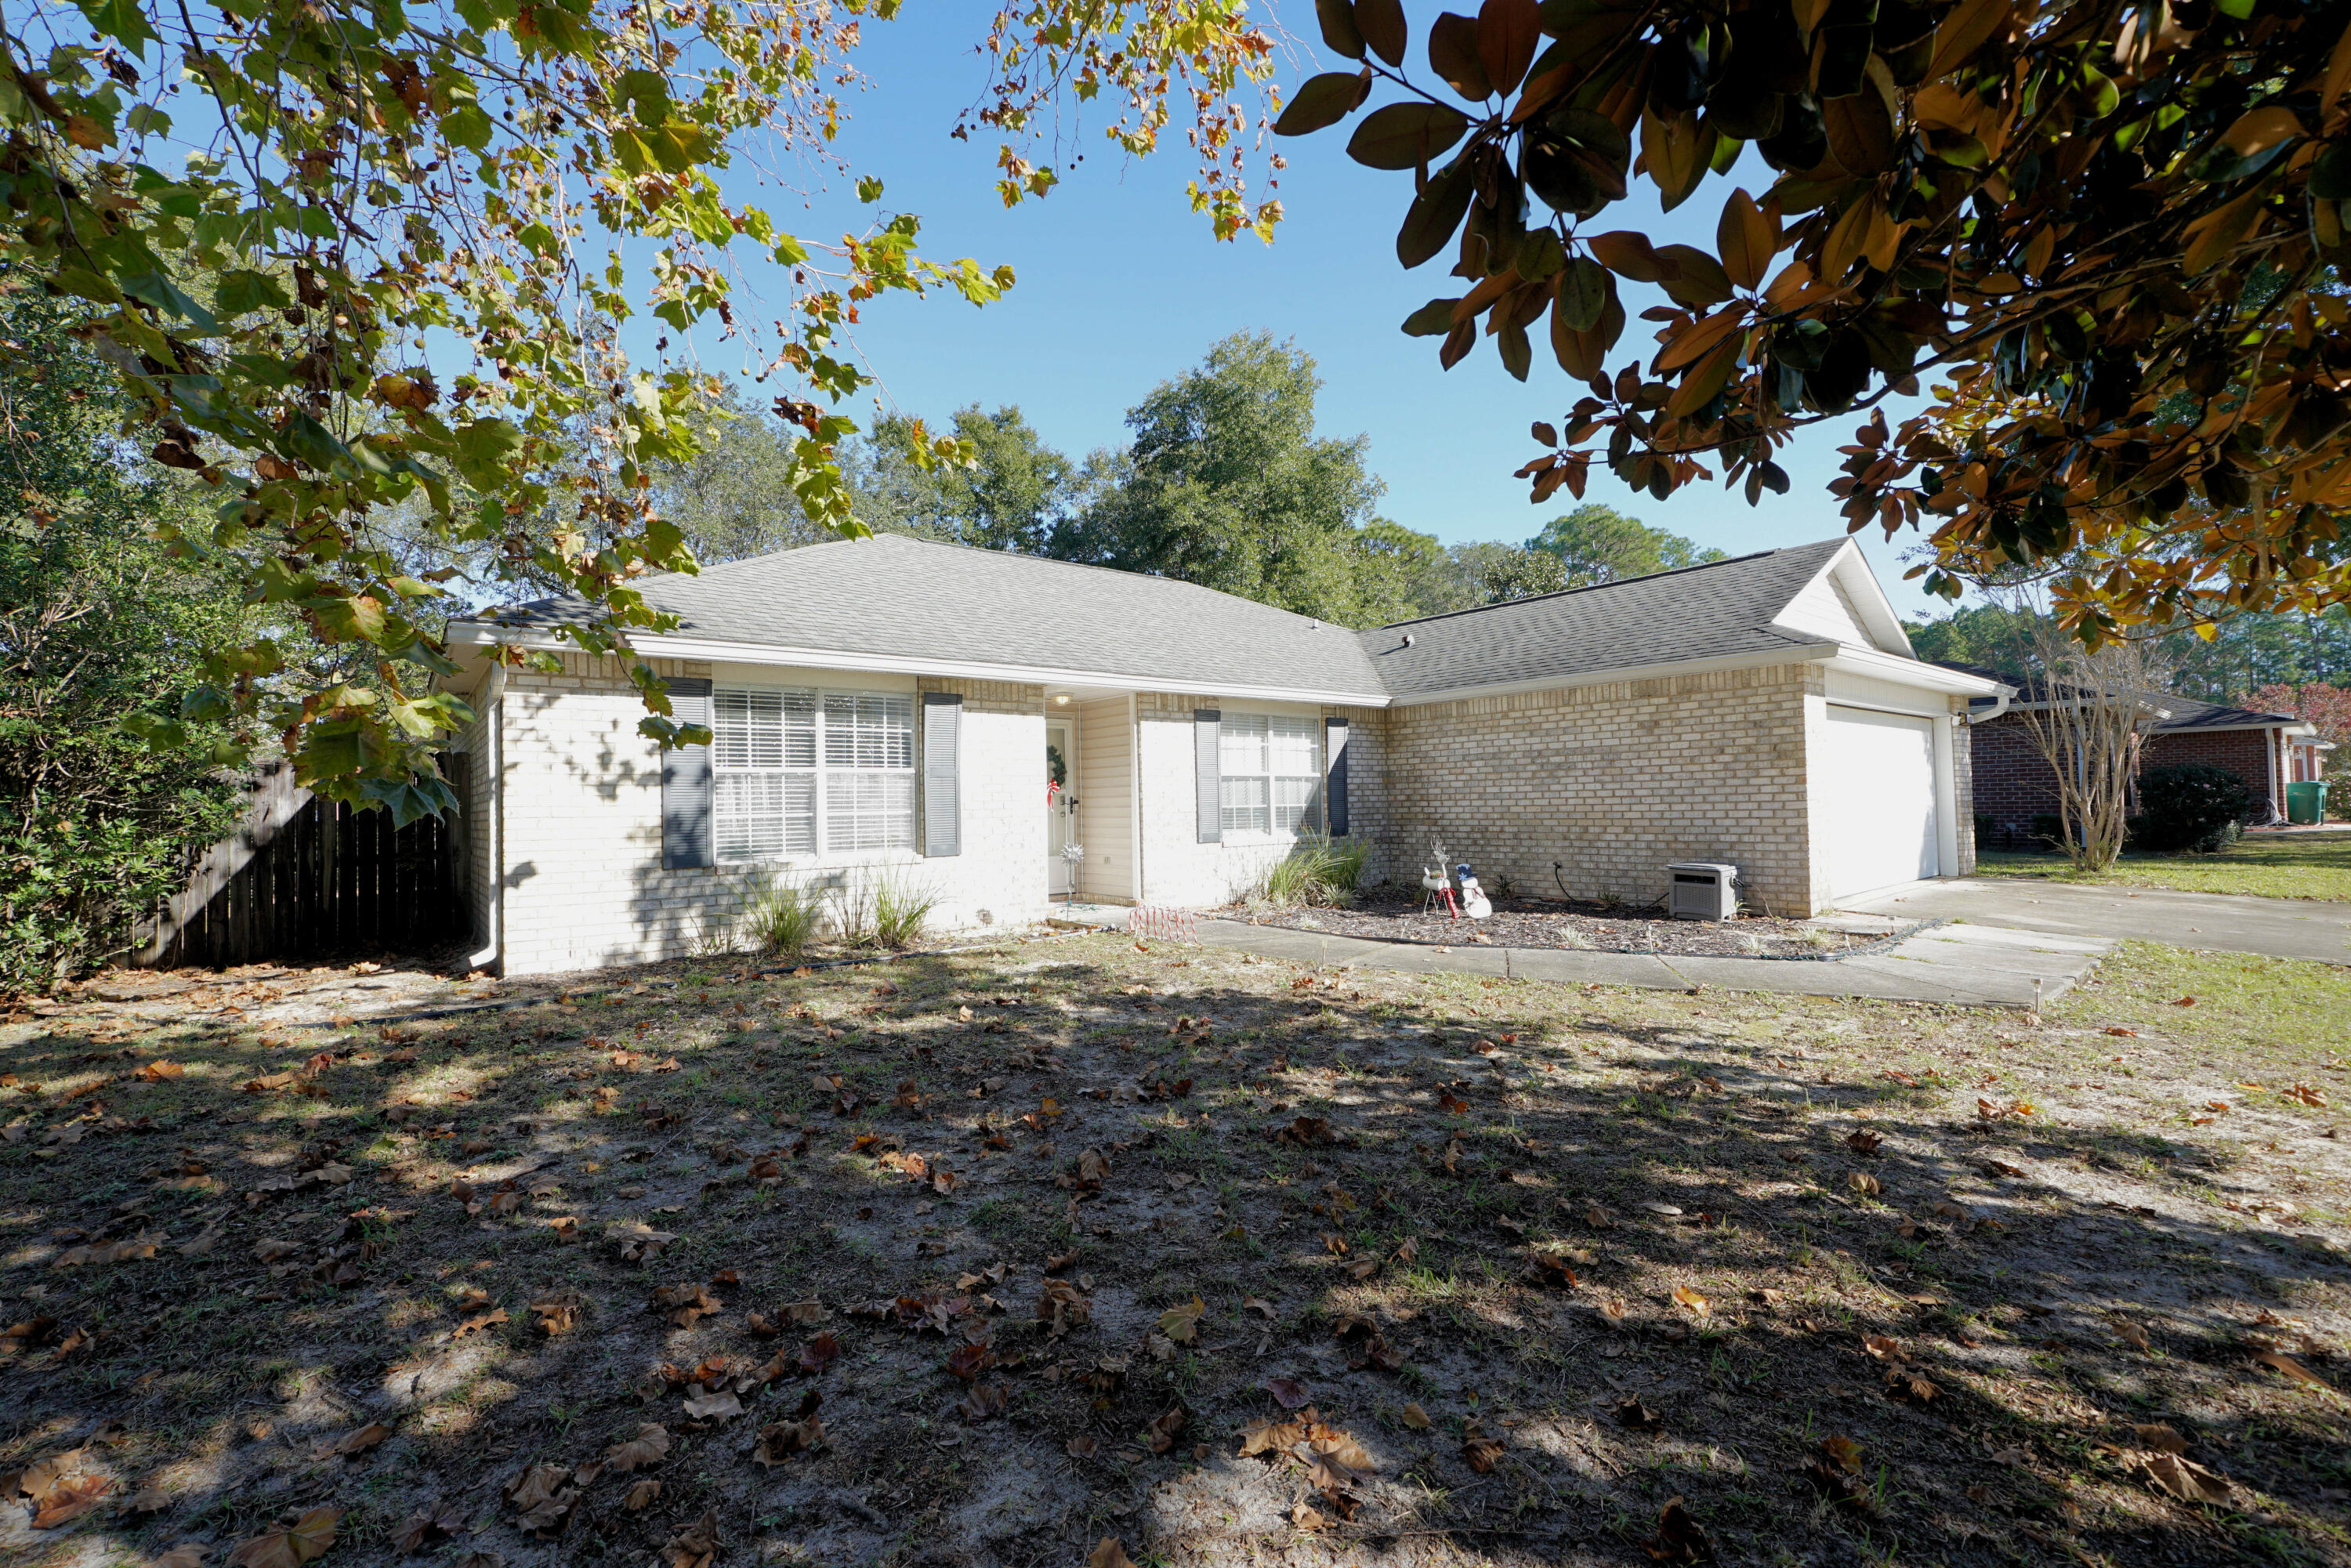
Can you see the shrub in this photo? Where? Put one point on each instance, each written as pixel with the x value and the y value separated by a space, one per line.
pixel 1316 871
pixel 902 910
pixel 853 915
pixel 2192 805
pixel 782 917
pixel 2049 828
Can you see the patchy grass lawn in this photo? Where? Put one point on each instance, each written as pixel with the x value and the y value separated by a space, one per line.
pixel 2302 865
pixel 985 1259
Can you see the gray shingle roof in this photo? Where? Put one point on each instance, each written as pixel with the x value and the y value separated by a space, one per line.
pixel 895 597
pixel 2185 713
pixel 1719 610
pixel 892 595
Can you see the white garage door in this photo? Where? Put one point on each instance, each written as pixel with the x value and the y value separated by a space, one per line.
pixel 1878 798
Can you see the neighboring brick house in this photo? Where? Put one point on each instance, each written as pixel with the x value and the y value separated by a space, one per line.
pixel 2013 783
pixel 1005 730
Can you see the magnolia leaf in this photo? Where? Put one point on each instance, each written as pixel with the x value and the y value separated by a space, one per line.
pixel 1453 56
pixel 1406 135
pixel 1382 27
pixel 1323 101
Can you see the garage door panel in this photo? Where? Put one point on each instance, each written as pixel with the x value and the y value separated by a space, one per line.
pixel 1877 799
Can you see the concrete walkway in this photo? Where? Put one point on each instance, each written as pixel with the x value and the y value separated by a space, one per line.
pixel 1978 966
pixel 2281 928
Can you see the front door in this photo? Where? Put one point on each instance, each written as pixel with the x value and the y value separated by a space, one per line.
pixel 1060 777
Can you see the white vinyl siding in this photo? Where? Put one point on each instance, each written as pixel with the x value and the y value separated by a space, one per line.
pixel 1268 763
pixel 771 798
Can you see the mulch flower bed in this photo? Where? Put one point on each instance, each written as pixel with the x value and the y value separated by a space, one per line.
pixel 1395 916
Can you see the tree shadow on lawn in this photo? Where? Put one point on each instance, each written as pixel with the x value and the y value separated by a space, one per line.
pixel 1353 1175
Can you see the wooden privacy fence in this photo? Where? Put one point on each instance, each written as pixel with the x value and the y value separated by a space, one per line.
pixel 301 877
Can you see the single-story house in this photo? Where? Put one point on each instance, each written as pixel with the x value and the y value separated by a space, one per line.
pixel 1001 731
pixel 2014 784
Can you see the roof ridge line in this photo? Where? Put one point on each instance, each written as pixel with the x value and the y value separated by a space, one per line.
pixel 1595 587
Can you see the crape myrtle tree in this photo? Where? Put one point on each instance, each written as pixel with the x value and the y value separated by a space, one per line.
pixel 2108 233
pixel 274 220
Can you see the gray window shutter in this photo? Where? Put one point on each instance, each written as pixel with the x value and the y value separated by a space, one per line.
pixel 1334 777
pixel 1207 764
pixel 687 838
pixel 942 773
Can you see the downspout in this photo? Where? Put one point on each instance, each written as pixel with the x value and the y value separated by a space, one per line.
pixel 1999 706
pixel 490 843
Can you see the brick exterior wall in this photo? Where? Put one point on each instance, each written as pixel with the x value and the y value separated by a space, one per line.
pixel 1613 781
pixel 2013 783
pixel 580 859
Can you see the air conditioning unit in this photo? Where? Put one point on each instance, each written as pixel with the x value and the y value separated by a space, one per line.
pixel 1702 890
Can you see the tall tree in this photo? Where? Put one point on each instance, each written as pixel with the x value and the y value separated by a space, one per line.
pixel 1402 575
pixel 1226 484
pixel 1496 573
pixel 98 623
pixel 1599 544
pixel 2115 231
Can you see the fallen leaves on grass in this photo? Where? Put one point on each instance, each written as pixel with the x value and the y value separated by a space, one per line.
pixel 1287 1392
pixel 61 1491
pixel 804 1433
pixel 1111 1553
pixel 1902 1379
pixel 2181 1477
pixel 649 1447
pixel 1697 1305
pixel 696 1547
pixel 1552 1272
pixel 357 1441
pixel 437 1523
pixel 686 1305
pixel 1833 1468
pixel 1061 1306
pixel 490 1320
pixel 1164 1427
pixel 1864 1142
pixel 130 1247
pixel 291 1545
pixel 1678 1537
pixel 1633 1412
pixel 1479 1450
pixel 1182 1324
pixel 2277 1361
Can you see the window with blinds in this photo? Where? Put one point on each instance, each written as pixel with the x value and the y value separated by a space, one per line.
pixel 793 768
pixel 1268 763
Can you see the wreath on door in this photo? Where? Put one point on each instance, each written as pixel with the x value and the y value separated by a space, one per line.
pixel 1057 773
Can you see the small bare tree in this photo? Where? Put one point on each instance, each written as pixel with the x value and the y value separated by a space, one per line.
pixel 2087 711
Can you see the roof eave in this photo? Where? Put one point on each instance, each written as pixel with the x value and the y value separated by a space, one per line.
pixel 1910 672
pixel 1795 654
pixel 654 646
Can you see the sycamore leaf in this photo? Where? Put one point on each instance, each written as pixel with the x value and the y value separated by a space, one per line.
pixel 292 1546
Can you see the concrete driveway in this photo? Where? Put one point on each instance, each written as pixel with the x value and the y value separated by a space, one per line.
pixel 2281 928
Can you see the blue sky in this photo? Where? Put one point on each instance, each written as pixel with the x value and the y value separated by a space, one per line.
pixel 1121 286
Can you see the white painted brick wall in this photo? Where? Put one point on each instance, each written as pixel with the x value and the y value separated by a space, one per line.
pixel 583 881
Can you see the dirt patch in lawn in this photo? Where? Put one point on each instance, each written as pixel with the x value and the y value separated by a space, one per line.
pixel 986 1258
pixel 1386 915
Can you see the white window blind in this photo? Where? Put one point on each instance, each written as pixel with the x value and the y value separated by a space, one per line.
pixel 1269 764
pixel 793 768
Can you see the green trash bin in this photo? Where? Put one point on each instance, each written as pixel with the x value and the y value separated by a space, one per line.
pixel 2307 802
